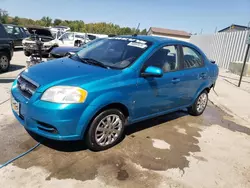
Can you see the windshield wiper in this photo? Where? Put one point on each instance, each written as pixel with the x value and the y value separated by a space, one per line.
pixel 94 62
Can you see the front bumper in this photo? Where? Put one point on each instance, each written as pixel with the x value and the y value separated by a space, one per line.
pixel 32 48
pixel 51 120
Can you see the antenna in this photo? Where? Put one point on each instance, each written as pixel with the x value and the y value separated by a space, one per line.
pixel 137 30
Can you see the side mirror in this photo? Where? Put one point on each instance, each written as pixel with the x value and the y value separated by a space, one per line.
pixel 70 54
pixel 152 71
pixel 212 61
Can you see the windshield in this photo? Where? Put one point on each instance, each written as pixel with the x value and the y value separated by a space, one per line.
pixel 114 52
pixel 90 43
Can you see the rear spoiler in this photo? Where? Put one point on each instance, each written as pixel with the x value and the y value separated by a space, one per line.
pixel 212 61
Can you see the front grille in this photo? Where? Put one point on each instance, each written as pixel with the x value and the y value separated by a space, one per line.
pixel 31 46
pixel 26 86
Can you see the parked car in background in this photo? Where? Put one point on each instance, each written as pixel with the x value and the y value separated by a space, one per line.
pixel 39 33
pixel 17 33
pixel 73 39
pixel 77 39
pixel 6 49
pixel 60 28
pixel 117 81
pixel 63 51
pixel 92 36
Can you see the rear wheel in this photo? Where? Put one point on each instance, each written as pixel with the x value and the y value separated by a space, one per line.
pixel 78 43
pixel 4 62
pixel 26 53
pixel 199 105
pixel 106 130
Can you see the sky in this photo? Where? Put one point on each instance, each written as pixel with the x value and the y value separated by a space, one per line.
pixel 192 16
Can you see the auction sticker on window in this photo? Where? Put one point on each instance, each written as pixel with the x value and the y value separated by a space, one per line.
pixel 137 44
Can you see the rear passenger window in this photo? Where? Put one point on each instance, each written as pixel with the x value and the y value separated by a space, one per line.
pixel 165 58
pixel 192 58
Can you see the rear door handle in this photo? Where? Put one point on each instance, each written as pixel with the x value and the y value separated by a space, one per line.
pixel 176 80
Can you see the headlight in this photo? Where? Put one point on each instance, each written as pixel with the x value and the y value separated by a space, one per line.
pixel 65 94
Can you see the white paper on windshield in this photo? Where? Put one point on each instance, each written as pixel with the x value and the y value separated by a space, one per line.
pixel 137 44
pixel 129 39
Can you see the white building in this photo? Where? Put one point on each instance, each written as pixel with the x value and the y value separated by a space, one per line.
pixel 169 33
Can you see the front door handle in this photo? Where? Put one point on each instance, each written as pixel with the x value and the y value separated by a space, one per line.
pixel 176 80
pixel 203 75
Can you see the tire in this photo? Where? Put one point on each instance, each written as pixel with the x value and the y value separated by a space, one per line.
pixel 199 105
pixel 78 43
pixel 26 53
pixel 97 130
pixel 4 62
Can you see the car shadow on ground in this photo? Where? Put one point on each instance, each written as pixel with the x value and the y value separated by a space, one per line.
pixel 18 49
pixel 14 67
pixel 73 146
pixel 7 80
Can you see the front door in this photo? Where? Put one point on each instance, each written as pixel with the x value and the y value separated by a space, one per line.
pixel 158 95
pixel 67 39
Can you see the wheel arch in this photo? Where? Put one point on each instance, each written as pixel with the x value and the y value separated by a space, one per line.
pixel 206 86
pixel 97 110
pixel 78 41
pixel 7 52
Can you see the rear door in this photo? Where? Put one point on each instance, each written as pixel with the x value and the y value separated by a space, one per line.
pixel 194 71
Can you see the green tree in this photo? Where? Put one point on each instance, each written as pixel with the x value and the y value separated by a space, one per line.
pixel 144 32
pixel 16 20
pixel 3 16
pixel 46 21
pixel 57 22
pixel 75 25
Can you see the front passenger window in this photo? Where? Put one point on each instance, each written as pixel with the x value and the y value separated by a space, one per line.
pixel 165 58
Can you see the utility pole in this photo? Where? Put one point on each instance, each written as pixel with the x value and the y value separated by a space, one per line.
pixel 246 55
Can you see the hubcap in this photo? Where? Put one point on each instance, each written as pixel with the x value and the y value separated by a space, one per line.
pixel 3 62
pixel 202 102
pixel 108 130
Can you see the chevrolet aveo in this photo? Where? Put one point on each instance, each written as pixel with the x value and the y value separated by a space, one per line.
pixel 109 84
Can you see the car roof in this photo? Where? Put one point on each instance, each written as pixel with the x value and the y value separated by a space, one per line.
pixel 155 39
pixel 12 25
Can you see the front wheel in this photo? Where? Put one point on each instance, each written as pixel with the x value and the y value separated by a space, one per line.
pixel 4 62
pixel 78 43
pixel 106 130
pixel 199 105
pixel 26 53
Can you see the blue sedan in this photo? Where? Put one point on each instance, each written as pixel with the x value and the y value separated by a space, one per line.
pixel 111 83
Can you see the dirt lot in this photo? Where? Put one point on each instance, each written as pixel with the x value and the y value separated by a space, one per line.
pixel 176 150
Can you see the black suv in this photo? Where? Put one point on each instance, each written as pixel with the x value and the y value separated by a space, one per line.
pixel 6 49
pixel 17 33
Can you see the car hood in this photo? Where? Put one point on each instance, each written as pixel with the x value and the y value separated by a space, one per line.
pixel 63 50
pixel 66 71
pixel 40 31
